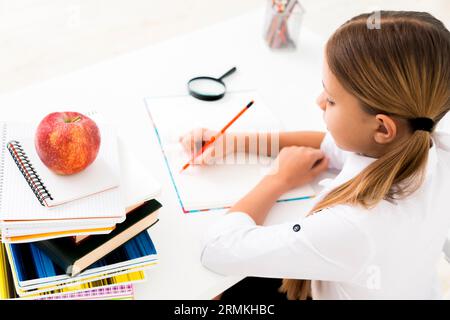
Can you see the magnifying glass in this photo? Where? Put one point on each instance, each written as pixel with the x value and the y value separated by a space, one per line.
pixel 208 88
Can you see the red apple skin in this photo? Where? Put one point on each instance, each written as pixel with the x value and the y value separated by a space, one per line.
pixel 67 142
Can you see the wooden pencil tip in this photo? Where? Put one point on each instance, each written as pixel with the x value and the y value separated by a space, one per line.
pixel 184 167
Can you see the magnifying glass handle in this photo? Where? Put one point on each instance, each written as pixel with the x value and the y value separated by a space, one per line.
pixel 232 70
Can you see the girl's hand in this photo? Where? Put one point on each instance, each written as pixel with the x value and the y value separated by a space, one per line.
pixel 194 140
pixel 296 166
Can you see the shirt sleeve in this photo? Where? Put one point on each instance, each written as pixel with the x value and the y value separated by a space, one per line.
pixel 324 246
pixel 335 155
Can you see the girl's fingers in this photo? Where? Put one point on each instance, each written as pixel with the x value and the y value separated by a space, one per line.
pixel 197 138
pixel 212 153
pixel 185 143
pixel 207 157
pixel 320 167
pixel 192 141
pixel 316 154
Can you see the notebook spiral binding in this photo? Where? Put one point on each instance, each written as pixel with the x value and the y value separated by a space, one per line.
pixel 26 168
pixel 2 159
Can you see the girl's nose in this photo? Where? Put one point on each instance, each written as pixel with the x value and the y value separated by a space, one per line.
pixel 322 101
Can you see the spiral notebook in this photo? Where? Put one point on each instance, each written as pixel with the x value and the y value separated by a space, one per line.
pixel 51 189
pixel 30 191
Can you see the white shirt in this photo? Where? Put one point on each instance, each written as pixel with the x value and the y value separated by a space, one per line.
pixel 388 252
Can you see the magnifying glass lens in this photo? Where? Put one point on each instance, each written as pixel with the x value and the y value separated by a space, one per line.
pixel 207 87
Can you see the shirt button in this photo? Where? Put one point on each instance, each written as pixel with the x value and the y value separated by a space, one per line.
pixel 296 227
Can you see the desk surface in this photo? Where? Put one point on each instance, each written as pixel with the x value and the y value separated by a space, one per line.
pixel 117 88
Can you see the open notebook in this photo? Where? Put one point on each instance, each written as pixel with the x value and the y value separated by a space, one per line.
pixel 218 186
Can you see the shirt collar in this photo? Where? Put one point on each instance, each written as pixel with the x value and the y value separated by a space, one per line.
pixel 432 156
pixel 355 163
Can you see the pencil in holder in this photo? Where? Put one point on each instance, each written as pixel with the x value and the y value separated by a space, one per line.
pixel 282 23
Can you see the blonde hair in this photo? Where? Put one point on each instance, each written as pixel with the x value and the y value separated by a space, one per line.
pixel 401 69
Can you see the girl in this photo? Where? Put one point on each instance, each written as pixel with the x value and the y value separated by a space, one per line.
pixel 377 230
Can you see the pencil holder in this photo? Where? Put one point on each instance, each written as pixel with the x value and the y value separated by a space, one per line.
pixel 282 23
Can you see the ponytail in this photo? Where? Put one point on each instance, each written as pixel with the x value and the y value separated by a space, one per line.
pixel 394 175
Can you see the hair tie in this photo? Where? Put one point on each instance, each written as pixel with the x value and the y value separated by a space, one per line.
pixel 425 124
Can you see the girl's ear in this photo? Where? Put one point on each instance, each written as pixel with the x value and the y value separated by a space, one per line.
pixel 386 130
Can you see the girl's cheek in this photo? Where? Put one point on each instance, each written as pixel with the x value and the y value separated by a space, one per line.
pixel 326 120
pixel 329 118
pixel 335 124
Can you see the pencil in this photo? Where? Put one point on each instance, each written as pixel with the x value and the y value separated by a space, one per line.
pixel 221 132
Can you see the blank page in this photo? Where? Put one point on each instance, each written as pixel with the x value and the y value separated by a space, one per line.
pixel 138 181
pixel 219 185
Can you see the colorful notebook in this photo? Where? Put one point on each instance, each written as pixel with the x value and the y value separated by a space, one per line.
pixel 130 276
pixel 118 286
pixel 115 292
pixel 221 185
pixel 33 269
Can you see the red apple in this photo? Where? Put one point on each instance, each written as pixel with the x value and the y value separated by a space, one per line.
pixel 67 142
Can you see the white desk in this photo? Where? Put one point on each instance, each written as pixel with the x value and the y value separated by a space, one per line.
pixel 117 88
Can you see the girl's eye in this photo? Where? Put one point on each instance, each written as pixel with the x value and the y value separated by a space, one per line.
pixel 331 103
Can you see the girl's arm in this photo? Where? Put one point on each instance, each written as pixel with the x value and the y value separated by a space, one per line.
pixel 294 166
pixel 258 202
pixel 311 139
pixel 246 142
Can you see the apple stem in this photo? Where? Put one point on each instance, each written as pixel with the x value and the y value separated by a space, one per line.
pixel 76 119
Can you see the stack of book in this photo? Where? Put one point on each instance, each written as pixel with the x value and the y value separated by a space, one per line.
pixel 73 237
